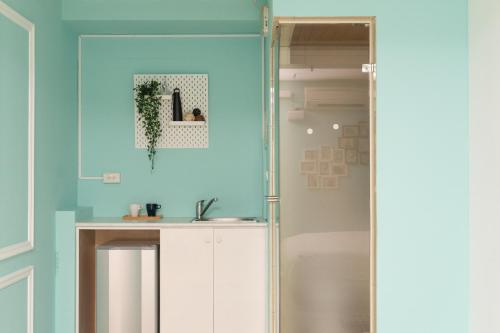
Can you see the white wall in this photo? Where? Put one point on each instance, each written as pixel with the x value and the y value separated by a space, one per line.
pixel 484 33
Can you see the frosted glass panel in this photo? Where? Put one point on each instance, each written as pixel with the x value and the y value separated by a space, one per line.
pixel 324 150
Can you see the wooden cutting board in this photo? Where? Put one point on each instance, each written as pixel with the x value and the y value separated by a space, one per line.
pixel 142 218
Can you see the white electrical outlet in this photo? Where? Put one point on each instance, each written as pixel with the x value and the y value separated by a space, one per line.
pixel 111 178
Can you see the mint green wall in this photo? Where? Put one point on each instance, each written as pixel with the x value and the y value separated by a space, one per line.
pixel 165 16
pixel 163 26
pixel 65 292
pixel 55 156
pixel 186 10
pixel 231 168
pixel 422 147
pixel 13 307
pixel 14 88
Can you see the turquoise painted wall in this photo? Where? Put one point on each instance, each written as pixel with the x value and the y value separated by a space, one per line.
pixel 14 87
pixel 55 157
pixel 163 26
pixel 422 166
pixel 65 291
pixel 187 10
pixel 163 17
pixel 422 151
pixel 231 168
pixel 13 307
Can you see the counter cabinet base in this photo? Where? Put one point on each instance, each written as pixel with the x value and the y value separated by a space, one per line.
pixel 213 279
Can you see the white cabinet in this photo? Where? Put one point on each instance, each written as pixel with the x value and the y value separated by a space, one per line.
pixel 213 280
pixel 186 280
pixel 239 280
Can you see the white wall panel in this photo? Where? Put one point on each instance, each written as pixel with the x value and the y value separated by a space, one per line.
pixel 484 34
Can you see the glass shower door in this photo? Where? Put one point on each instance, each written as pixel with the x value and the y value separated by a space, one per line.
pixel 325 183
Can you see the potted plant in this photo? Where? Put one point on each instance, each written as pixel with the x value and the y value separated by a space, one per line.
pixel 148 104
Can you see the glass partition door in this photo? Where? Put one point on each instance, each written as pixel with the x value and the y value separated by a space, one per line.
pixel 323 137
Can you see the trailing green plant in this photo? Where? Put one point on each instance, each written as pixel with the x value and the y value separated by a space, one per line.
pixel 148 104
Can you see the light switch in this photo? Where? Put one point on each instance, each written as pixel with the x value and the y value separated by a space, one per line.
pixel 111 178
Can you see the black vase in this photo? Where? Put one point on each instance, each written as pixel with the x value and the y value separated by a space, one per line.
pixel 176 105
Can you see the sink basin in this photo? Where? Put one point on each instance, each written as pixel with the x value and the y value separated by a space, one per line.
pixel 226 220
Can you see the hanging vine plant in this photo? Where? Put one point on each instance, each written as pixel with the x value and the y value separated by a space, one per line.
pixel 148 104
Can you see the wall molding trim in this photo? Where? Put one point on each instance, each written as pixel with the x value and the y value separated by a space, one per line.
pixel 25 273
pixel 15 249
pixel 29 243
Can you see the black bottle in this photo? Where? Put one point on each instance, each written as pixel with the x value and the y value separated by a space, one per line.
pixel 176 105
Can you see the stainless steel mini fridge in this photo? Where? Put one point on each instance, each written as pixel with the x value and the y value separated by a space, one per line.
pixel 127 287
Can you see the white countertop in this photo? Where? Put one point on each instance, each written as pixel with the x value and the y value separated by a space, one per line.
pixel 166 222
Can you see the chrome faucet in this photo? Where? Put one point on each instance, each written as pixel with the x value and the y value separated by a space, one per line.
pixel 201 209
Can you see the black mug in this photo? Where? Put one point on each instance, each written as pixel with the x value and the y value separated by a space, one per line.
pixel 151 208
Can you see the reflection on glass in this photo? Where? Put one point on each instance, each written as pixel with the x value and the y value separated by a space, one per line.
pixel 324 179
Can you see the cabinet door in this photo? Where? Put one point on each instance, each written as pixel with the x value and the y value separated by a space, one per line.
pixel 240 280
pixel 186 287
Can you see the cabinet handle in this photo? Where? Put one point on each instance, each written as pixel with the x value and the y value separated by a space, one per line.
pixel 219 240
pixel 208 241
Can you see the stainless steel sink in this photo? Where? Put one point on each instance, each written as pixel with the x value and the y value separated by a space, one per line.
pixel 226 220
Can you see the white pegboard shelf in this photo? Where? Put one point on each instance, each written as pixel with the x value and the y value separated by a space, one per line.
pixel 187 123
pixel 194 94
pixel 165 97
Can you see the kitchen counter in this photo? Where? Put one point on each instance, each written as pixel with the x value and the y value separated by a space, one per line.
pixel 166 222
pixel 194 261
